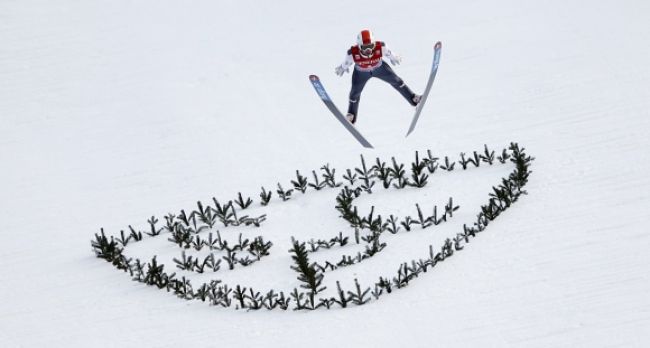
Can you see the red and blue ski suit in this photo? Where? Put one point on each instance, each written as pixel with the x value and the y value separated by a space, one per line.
pixel 370 66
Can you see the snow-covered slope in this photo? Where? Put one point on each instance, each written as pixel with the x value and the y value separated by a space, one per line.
pixel 113 111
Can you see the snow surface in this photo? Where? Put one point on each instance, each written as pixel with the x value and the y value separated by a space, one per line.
pixel 113 111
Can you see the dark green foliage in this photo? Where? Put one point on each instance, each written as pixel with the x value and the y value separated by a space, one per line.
pixel 137 271
pixel 487 156
pixel 325 302
pixel 359 297
pixel 431 162
pixel 317 185
pixel 243 203
pixel 300 183
pixel 137 236
pixel 422 221
pixel 448 166
pixel 307 273
pixel 475 160
pixel 299 299
pixel 385 284
pixel 223 212
pixel 181 236
pixel 463 162
pixel 315 245
pixel 153 231
pixel 285 195
pixel 383 173
pixel 450 208
pixel 184 230
pixel 259 247
pixel 522 162
pixel 504 157
pixel 230 258
pixel 255 300
pixel 407 223
pixel 393 225
pixel 398 173
pixel 366 176
pixel 239 295
pixel 155 274
pixel 265 196
pixel 419 179
pixel 185 263
pixel 350 177
pixel 342 299
pixel 124 240
pixel 105 249
pixel 330 176
pixel 205 216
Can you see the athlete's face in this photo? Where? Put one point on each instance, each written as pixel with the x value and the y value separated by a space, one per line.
pixel 366 50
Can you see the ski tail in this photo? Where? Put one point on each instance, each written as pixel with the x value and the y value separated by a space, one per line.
pixel 320 90
pixel 432 76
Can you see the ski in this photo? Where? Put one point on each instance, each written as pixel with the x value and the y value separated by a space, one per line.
pixel 434 69
pixel 320 90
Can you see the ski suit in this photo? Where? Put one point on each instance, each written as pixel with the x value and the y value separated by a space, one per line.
pixel 373 66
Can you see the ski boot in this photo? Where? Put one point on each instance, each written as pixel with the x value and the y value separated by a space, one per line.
pixel 416 99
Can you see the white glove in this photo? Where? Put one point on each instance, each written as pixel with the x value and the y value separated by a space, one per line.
pixel 340 70
pixel 395 60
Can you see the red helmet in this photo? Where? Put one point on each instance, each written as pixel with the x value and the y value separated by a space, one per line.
pixel 366 42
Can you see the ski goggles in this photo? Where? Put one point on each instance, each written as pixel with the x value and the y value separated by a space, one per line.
pixel 366 50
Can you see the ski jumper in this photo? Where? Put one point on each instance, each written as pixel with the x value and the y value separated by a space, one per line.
pixel 370 66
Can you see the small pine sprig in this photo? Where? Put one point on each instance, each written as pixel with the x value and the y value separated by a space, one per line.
pixel 265 196
pixel 285 195
pixel 450 208
pixel 239 294
pixel 243 204
pixel 259 248
pixel 393 225
pixel 307 273
pixel 448 166
pixel 382 173
pixel 152 224
pixel 350 177
pixel 124 239
pixel 463 162
pixel 317 185
pixel 300 183
pixel 298 299
pixel 366 175
pixel 487 156
pixel 105 249
pixel 417 166
pixel 330 176
pixel 136 235
pixel 205 216
pixel 359 297
pixel 504 157
pixel 342 299
pixel 408 221
pixel 432 162
pixel 422 221
pixel 223 212
pixel 398 173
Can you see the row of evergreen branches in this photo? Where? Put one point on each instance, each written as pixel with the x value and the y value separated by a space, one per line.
pixel 309 274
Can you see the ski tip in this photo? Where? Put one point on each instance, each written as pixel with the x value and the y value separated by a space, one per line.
pixel 437 45
pixel 313 77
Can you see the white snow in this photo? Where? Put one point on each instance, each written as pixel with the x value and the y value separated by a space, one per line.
pixel 114 111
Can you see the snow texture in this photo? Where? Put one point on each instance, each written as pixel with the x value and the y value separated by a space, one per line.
pixel 113 111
